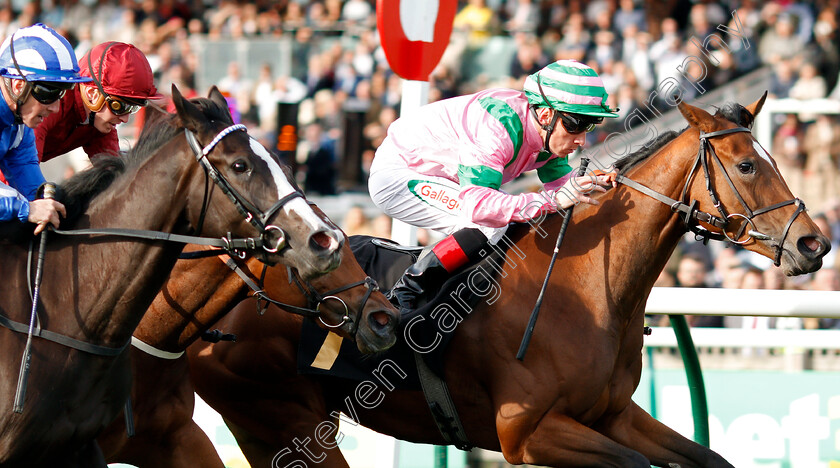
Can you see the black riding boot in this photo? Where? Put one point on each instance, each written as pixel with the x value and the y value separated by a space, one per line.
pixel 423 279
pixel 424 275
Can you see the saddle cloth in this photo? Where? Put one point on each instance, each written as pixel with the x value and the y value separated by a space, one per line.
pixel 427 330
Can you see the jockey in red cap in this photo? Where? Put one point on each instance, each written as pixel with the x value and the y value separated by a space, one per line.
pixel 122 84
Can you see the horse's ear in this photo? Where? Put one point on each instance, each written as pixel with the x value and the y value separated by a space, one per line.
pixel 755 107
pixel 697 117
pixel 176 94
pixel 216 96
pixel 188 113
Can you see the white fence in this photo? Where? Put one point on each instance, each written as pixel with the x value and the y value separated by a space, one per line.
pixel 664 337
pixel 744 302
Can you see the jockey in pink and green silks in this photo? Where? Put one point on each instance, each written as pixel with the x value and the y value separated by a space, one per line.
pixel 442 166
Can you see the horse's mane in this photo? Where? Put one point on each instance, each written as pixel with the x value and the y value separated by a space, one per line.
pixel 79 190
pixel 731 111
pixel 624 164
pixel 82 187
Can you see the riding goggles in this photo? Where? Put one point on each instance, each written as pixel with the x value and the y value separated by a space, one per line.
pixel 121 106
pixel 49 92
pixel 576 123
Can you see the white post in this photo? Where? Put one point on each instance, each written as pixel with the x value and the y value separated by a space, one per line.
pixel 764 129
pixel 763 122
pixel 414 95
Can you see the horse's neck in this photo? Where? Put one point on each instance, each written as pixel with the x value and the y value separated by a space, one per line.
pixel 196 295
pixel 611 254
pixel 147 196
pixel 644 231
pixel 118 277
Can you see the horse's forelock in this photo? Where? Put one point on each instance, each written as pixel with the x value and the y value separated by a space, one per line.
pixel 736 114
pixel 159 130
pixel 213 110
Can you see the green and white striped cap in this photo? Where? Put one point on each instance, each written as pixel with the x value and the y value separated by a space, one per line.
pixel 569 86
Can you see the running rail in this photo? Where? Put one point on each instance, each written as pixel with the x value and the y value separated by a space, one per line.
pixel 678 302
pixel 744 302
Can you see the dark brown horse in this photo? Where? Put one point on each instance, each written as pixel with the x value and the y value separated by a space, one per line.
pixel 568 403
pixel 96 288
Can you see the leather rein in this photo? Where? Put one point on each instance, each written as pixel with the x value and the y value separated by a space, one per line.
pixel 249 211
pixel 692 216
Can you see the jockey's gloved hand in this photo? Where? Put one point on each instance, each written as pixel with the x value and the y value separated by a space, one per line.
pixel 47 212
pixel 578 190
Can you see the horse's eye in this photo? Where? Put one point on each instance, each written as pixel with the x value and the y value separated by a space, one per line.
pixel 239 166
pixel 746 167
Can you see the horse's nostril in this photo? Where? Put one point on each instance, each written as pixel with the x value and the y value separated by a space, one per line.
pixel 813 244
pixel 813 247
pixel 321 241
pixel 381 318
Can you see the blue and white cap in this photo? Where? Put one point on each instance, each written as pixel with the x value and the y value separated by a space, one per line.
pixel 41 54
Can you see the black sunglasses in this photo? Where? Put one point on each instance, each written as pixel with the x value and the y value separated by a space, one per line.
pixel 49 93
pixel 576 124
pixel 121 106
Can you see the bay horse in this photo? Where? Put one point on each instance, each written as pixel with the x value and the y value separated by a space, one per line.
pixel 96 287
pixel 196 294
pixel 568 403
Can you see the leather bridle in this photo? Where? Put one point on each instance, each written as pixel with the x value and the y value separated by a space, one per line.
pixel 249 210
pixel 313 297
pixel 692 215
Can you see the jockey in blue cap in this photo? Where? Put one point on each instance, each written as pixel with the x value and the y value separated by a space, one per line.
pixel 37 67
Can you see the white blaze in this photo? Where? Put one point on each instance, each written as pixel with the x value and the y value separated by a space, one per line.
pixel 284 187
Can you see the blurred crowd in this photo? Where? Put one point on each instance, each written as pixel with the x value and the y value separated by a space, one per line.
pixel 341 81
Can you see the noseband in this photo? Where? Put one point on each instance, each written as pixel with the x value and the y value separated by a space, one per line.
pixel 316 298
pixel 252 214
pixel 692 215
pixel 313 297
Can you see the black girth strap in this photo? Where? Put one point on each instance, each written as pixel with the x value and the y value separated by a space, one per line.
pixel 62 339
pixel 440 403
